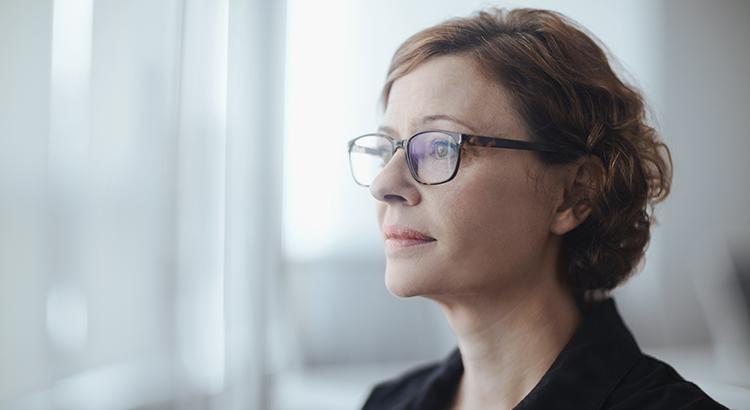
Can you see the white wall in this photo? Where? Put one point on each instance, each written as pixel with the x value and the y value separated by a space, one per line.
pixel 706 84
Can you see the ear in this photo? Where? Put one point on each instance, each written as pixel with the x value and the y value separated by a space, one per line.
pixel 579 180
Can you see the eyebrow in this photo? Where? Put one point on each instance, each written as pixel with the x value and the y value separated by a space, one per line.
pixel 429 118
pixel 442 117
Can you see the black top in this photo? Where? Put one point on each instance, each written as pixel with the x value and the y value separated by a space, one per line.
pixel 600 368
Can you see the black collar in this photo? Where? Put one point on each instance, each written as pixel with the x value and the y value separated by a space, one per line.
pixel 593 362
pixel 600 367
pixel 590 366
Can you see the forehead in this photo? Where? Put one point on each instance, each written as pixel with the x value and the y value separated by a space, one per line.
pixel 450 87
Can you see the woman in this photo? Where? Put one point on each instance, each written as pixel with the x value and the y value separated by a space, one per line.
pixel 519 245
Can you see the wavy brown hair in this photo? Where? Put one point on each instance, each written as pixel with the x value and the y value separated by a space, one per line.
pixel 563 88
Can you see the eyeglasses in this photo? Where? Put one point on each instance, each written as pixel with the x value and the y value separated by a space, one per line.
pixel 432 156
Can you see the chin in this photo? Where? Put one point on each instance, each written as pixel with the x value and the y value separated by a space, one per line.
pixel 405 283
pixel 399 289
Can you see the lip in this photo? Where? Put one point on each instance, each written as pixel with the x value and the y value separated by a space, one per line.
pixel 400 237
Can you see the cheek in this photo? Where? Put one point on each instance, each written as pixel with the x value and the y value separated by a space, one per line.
pixel 380 212
pixel 501 221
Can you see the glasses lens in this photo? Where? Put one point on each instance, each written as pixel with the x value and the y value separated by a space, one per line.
pixel 367 157
pixel 434 156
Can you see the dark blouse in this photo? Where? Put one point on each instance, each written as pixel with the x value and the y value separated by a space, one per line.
pixel 600 368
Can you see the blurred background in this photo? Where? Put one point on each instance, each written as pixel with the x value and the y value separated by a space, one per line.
pixel 179 229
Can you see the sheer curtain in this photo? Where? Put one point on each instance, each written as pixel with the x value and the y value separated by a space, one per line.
pixel 140 179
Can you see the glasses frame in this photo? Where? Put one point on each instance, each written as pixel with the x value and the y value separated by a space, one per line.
pixel 462 140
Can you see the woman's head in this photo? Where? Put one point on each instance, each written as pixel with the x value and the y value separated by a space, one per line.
pixel 487 229
pixel 558 84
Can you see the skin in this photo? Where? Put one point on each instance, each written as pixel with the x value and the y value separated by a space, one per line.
pixel 495 265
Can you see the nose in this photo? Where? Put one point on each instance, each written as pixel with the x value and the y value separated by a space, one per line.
pixel 395 185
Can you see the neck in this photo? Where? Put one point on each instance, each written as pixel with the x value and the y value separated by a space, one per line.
pixel 509 341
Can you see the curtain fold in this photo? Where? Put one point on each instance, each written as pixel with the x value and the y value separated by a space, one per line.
pixel 140 196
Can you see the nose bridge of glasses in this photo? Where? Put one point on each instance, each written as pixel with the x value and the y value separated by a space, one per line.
pixel 399 144
pixel 396 146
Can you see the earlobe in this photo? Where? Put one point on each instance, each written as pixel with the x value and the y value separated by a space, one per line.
pixel 584 179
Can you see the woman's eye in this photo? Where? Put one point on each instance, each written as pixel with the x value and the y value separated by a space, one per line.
pixel 441 149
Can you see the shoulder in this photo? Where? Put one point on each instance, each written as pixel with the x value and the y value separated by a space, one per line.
pixel 602 368
pixel 653 384
pixel 398 392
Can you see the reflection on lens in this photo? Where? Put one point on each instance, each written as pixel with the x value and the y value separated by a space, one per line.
pixel 368 155
pixel 434 156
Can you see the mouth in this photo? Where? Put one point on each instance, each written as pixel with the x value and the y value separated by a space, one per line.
pixel 400 237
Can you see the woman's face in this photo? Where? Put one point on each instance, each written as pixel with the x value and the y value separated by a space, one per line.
pixel 488 229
